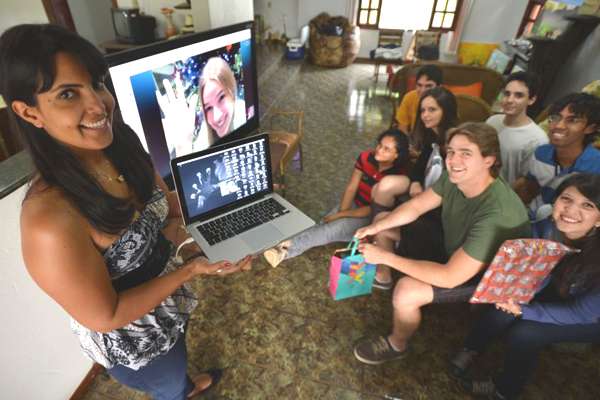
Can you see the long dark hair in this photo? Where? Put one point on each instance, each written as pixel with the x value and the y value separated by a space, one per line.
pixel 27 68
pixel 447 102
pixel 583 268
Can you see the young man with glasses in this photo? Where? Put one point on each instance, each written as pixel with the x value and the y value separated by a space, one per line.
pixel 519 135
pixel 574 123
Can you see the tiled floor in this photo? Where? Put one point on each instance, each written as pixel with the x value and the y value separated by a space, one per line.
pixel 277 332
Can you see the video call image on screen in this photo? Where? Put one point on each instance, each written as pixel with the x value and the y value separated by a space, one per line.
pixel 216 180
pixel 189 97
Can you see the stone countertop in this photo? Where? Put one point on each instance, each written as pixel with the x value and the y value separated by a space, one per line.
pixel 14 172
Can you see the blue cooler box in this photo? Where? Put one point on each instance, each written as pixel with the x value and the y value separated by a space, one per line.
pixel 295 49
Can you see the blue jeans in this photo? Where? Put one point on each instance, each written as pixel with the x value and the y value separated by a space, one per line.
pixel 164 378
pixel 340 230
pixel 525 341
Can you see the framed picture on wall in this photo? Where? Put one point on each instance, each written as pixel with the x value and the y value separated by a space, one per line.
pixel 498 61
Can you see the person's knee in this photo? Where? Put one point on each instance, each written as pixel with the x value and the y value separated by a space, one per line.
pixel 524 338
pixel 410 293
pixel 390 186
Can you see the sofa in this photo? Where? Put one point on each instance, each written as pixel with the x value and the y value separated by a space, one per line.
pixel 333 41
pixel 464 79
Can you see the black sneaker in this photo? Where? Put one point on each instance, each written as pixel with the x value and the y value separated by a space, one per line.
pixel 485 389
pixel 376 351
pixel 460 363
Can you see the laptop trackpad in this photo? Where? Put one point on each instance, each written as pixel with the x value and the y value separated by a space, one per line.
pixel 262 236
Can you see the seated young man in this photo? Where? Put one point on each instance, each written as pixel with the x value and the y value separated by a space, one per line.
pixel 574 122
pixel 428 77
pixel 519 136
pixel 479 212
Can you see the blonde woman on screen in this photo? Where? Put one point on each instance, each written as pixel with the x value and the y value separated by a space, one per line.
pixel 223 110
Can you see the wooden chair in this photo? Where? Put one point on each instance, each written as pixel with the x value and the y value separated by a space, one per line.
pixel 472 109
pixel 388 37
pixel 285 142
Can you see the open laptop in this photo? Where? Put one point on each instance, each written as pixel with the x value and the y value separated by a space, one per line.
pixel 227 200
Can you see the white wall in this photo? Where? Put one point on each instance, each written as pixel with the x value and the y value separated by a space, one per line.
pixel 582 67
pixel 207 14
pixel 92 20
pixel 201 15
pixel 41 358
pixel 493 21
pixel 298 12
pixel 21 11
pixel 368 41
pixel 274 12
pixel 227 12
pixel 308 9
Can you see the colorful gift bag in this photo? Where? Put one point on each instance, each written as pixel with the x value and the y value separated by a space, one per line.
pixel 349 275
pixel 518 270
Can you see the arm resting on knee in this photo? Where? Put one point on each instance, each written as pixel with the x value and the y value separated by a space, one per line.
pixel 459 269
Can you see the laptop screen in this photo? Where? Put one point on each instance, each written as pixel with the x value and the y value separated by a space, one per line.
pixel 222 176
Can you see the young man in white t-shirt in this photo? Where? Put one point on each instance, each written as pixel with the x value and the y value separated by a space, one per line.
pixel 519 135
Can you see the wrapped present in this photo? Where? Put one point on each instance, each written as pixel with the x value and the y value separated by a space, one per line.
pixel 518 270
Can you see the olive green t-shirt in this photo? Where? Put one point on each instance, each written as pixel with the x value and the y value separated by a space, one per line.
pixel 481 224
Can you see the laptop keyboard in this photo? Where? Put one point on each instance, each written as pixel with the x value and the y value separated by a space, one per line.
pixel 233 224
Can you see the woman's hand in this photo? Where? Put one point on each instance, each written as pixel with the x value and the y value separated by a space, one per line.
pixel 179 113
pixel 373 254
pixel 332 217
pixel 201 266
pixel 510 307
pixel 414 189
pixel 369 230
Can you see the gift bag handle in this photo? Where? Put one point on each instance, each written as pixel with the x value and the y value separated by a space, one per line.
pixel 353 246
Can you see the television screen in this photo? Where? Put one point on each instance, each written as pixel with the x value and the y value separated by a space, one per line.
pixel 186 94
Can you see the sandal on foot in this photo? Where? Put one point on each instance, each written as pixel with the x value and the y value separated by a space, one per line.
pixel 215 377
pixel 382 285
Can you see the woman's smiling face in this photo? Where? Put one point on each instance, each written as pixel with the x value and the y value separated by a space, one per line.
pixel 574 214
pixel 218 106
pixel 76 110
pixel 431 113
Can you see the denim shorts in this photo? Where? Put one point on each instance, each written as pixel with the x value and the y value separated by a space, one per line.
pixel 164 378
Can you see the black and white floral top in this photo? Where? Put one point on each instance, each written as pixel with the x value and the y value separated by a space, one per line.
pixel 140 254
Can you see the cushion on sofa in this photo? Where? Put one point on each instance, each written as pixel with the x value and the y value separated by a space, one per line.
pixel 455 75
pixel 473 89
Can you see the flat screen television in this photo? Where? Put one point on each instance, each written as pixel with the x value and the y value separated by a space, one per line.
pixel 186 94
